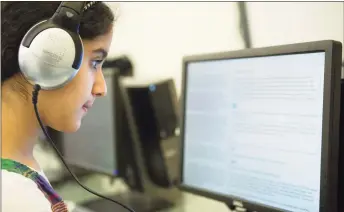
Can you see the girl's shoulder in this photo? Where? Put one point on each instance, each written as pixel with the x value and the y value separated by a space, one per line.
pixel 21 194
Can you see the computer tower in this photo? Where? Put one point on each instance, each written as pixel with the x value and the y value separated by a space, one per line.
pixel 158 102
pixel 156 116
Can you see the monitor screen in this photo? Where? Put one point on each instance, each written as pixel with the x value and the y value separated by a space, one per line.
pixel 253 129
pixel 93 146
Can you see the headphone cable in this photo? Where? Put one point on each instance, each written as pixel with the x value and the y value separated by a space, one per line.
pixel 35 92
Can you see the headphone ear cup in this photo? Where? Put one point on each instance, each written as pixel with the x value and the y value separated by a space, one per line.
pixel 50 56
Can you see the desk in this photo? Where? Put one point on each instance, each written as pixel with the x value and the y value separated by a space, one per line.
pixel 73 193
pixel 188 202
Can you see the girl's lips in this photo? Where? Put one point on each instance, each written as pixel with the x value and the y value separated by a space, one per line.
pixel 85 109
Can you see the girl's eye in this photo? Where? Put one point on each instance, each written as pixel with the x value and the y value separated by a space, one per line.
pixel 95 63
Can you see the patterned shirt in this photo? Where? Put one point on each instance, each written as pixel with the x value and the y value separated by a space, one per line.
pixel 57 204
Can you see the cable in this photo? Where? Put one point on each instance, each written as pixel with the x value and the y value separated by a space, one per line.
pixel 243 23
pixel 35 92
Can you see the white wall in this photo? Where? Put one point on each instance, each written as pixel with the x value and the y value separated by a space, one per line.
pixel 157 35
pixel 274 23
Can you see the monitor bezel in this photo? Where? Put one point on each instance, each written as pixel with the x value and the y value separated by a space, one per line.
pixel 331 114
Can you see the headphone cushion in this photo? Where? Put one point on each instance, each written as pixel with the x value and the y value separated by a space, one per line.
pixel 49 55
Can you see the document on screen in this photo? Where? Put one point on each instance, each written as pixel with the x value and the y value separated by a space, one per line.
pixel 253 129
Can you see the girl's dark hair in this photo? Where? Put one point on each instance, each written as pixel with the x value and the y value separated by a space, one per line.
pixel 18 17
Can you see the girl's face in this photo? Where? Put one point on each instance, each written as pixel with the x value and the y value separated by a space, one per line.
pixel 63 109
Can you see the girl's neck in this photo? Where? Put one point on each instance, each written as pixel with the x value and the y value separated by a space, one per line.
pixel 19 129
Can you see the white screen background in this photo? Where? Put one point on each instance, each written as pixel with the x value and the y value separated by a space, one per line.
pixel 253 129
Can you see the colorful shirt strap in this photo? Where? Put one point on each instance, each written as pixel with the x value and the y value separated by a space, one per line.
pixel 57 204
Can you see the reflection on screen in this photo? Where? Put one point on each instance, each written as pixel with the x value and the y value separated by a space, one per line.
pixel 253 129
pixel 93 145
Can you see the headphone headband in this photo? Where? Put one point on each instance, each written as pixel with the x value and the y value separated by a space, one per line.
pixel 77 6
pixel 68 15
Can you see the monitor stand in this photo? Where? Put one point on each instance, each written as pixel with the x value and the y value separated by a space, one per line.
pixel 139 202
pixel 231 207
pixel 234 208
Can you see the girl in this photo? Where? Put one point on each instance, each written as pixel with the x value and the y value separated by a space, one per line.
pixel 24 185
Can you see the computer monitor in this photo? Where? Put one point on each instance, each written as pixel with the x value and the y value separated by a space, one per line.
pixel 104 143
pixel 148 197
pixel 260 127
pixel 93 146
pixel 341 150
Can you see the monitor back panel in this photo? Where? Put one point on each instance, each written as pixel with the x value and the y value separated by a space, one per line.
pixel 155 113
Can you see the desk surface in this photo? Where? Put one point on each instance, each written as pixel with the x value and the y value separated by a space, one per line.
pixel 75 195
pixel 72 192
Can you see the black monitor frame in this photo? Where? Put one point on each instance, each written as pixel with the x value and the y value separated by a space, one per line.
pixel 331 114
pixel 341 154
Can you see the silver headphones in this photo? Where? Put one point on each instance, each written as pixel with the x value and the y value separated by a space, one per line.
pixel 50 55
pixel 51 52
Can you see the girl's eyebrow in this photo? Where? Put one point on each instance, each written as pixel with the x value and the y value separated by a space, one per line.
pixel 101 51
